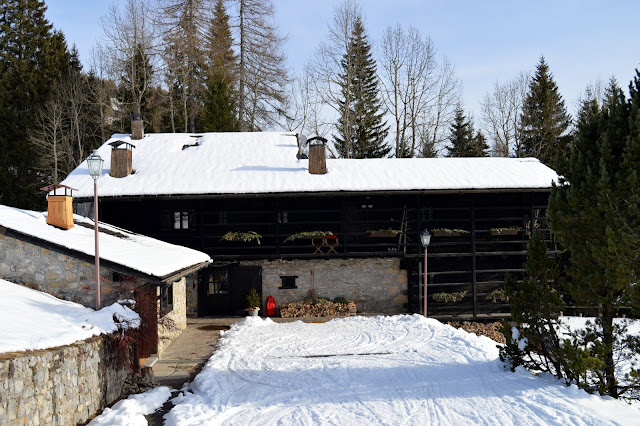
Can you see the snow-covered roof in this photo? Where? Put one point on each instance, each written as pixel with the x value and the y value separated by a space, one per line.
pixel 32 320
pixel 143 254
pixel 262 163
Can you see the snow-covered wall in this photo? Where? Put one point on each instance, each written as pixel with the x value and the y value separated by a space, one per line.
pixel 60 386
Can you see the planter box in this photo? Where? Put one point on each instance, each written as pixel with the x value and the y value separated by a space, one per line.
pixel 446 234
pixel 505 231
pixel 383 234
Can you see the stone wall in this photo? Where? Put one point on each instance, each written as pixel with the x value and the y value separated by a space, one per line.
pixel 58 274
pixel 376 285
pixel 192 296
pixel 171 325
pixel 60 386
pixel 73 279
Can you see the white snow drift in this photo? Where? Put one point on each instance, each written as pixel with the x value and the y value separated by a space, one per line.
pixel 31 320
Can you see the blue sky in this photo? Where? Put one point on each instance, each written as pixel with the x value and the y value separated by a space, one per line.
pixel 582 40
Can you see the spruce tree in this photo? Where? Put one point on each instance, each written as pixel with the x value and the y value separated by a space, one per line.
pixel 595 213
pixel 219 112
pixel 361 129
pixel 536 303
pixel 545 120
pixel 32 58
pixel 463 142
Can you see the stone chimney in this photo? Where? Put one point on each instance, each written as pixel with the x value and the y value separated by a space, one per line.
pixel 60 207
pixel 121 159
pixel 317 156
pixel 137 127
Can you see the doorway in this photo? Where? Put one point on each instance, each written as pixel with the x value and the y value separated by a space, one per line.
pixel 222 289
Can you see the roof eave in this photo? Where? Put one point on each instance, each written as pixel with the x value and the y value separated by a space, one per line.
pixel 324 193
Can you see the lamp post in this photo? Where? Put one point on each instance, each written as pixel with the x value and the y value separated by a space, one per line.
pixel 425 238
pixel 94 162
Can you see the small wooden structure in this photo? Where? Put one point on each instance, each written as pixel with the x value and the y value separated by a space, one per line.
pixel 121 159
pixel 317 156
pixel 60 207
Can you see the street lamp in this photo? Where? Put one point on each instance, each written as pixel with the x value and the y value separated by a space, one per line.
pixel 425 238
pixel 94 162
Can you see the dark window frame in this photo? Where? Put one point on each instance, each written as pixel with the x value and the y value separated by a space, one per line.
pixel 288 282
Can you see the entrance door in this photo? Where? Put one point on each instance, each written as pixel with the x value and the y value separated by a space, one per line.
pixel 222 289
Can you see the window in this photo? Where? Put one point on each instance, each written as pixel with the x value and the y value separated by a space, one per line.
pixel 288 281
pixel 180 220
pixel 283 216
pixel 222 217
pixel 166 299
pixel 218 282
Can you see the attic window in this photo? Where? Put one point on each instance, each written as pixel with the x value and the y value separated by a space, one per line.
pixel 180 220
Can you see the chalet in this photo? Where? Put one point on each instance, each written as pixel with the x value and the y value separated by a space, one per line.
pixel 275 214
pixel 59 260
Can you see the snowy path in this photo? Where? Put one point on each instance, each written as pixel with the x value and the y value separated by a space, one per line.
pixel 400 370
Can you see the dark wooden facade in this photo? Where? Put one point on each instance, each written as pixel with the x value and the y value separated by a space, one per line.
pixel 475 262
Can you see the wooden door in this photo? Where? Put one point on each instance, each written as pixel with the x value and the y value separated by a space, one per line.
pixel 222 290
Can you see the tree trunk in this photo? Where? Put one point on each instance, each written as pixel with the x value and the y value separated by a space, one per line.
pixel 607 339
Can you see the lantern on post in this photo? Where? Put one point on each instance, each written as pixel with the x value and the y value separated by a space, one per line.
pixel 425 238
pixel 94 163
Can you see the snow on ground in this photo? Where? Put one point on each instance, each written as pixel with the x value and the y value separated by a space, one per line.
pixel 131 411
pixel 385 370
pixel 31 320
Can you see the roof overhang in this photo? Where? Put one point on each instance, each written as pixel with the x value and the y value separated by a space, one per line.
pixel 323 194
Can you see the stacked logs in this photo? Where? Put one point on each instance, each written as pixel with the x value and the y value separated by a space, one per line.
pixel 319 309
pixel 491 329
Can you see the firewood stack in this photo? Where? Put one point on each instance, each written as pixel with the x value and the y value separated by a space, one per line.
pixel 321 309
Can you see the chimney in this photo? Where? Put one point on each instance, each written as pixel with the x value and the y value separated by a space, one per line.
pixel 137 127
pixel 59 207
pixel 121 159
pixel 317 156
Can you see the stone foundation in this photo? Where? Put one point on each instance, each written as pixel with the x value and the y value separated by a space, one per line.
pixel 60 386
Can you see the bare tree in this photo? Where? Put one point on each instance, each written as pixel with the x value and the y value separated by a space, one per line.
pixel 262 76
pixel 409 77
pixel 304 107
pixel 501 112
pixel 49 141
pixel 130 46
pixel 439 112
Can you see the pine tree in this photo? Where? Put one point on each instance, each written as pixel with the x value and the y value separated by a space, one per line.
pixel 480 147
pixel 463 141
pixel 535 306
pixel 360 110
pixel 219 113
pixel 32 58
pixel 595 213
pixel 544 120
